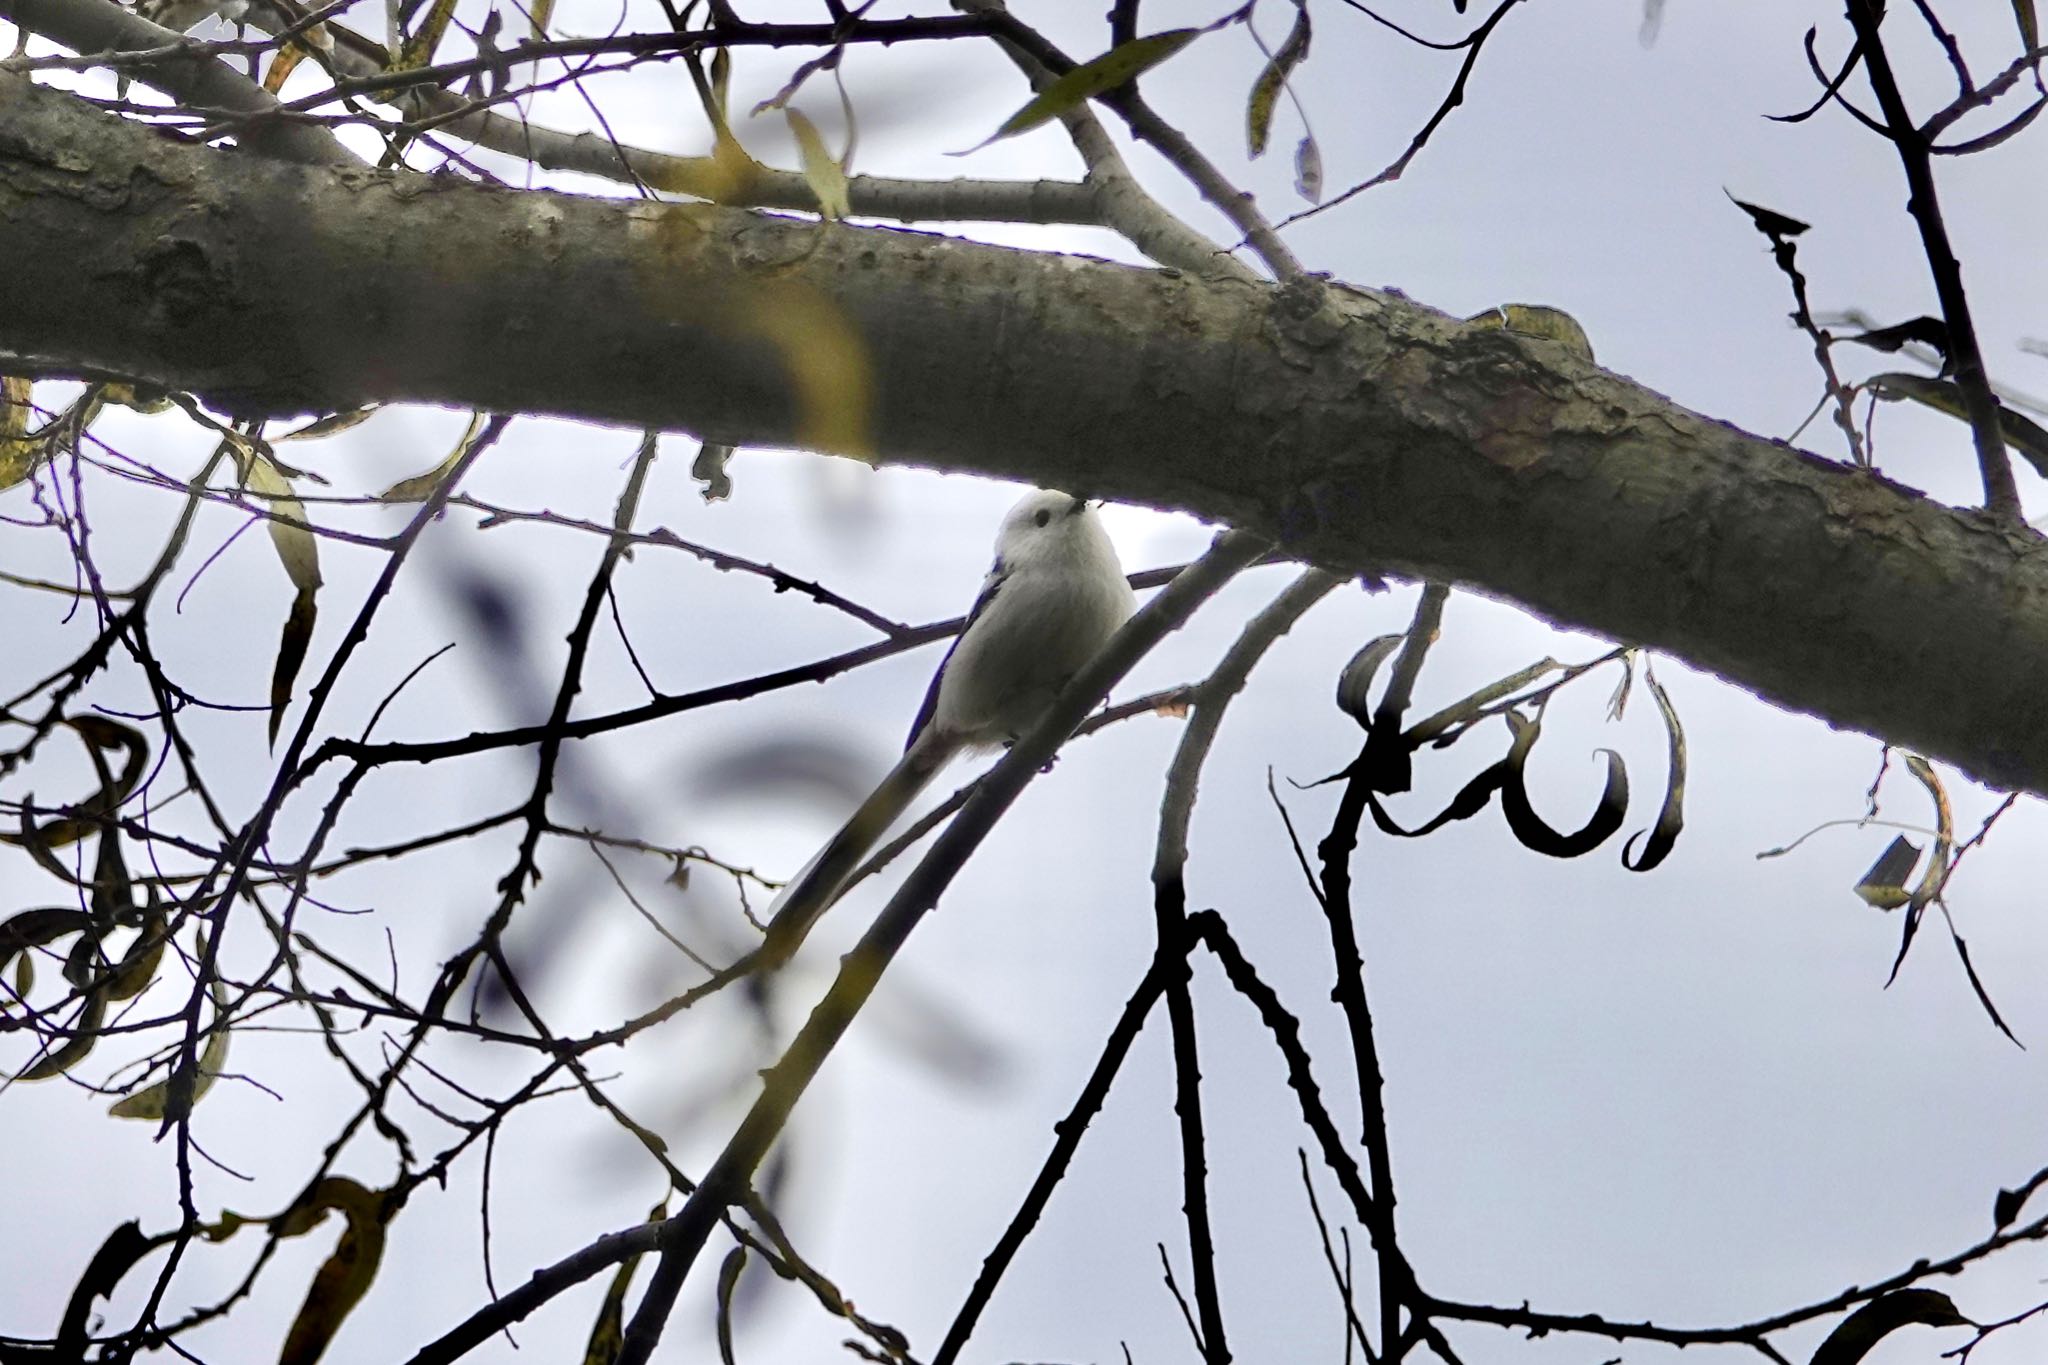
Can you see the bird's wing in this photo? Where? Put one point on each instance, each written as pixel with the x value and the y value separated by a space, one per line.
pixel 997 575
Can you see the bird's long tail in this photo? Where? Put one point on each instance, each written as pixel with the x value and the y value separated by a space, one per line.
pixel 811 892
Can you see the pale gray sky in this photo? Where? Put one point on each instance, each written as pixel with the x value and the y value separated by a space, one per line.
pixel 1682 1095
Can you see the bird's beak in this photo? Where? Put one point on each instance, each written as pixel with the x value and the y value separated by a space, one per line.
pixel 1077 506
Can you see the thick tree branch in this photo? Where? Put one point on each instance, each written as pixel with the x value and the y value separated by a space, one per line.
pixel 1358 429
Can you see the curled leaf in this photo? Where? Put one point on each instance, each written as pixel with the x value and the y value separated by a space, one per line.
pixel 1660 838
pixel 1861 1330
pixel 1536 320
pixel 1354 684
pixel 420 487
pixel 1471 799
pixel 1258 114
pixel 85 1032
pixel 346 1275
pixel 124 1246
pixel 333 424
pixel 1528 827
pixel 159 1102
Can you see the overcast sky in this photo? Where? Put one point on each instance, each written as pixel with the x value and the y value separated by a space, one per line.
pixel 1685 1095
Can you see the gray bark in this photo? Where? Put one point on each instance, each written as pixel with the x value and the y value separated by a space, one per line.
pixel 1359 430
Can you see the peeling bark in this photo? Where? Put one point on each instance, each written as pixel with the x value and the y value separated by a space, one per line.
pixel 1358 429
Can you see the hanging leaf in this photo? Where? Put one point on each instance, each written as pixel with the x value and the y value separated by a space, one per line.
pixel 138 965
pixel 608 1333
pixel 28 929
pixel 346 1275
pixel 85 1032
pixel 282 65
pixel 1534 834
pixel 2029 21
pixel 102 735
pixel 1308 169
pixel 728 1283
pixel 1883 1315
pixel 1927 331
pixel 1884 886
pixel 157 1102
pixel 1258 114
pixel 1460 715
pixel 418 50
pixel 1121 64
pixel 721 80
pixel 1932 879
pixel 420 487
pixel 332 424
pixel 2021 432
pixel 1354 684
pixel 825 176
pixel 124 1246
pixel 299 551
pixel 1660 838
pixel 291 653
pixel 1471 799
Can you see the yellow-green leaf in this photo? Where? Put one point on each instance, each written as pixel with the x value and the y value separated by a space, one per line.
pixel 1884 886
pixel 2029 21
pixel 542 13
pixel 607 1334
pixel 84 1033
pixel 1537 320
pixel 2021 432
pixel 345 1276
pixel 331 424
pixel 721 80
pixel 823 173
pixel 297 549
pixel 19 455
pixel 1258 114
pixel 1122 63
pixel 420 487
pixel 155 1102
pixel 419 49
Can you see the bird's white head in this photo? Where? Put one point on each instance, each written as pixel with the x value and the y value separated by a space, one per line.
pixel 1048 529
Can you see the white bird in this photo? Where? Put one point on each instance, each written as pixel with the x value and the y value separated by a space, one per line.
pixel 1054 596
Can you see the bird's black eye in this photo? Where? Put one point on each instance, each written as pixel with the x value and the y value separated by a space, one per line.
pixel 1043 518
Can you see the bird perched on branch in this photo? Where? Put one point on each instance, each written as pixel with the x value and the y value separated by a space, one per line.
pixel 1053 597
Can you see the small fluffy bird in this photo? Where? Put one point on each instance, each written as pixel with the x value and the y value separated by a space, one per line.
pixel 1054 596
